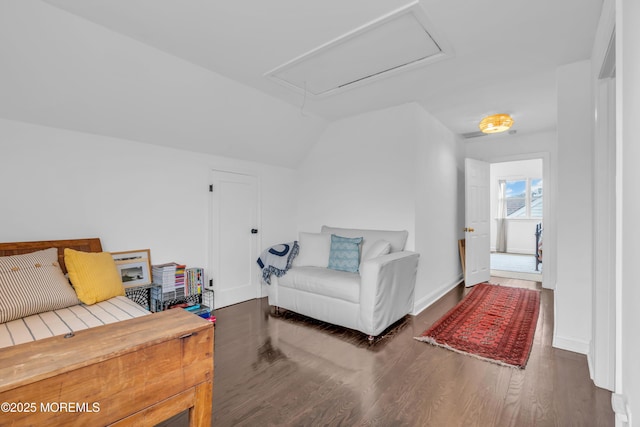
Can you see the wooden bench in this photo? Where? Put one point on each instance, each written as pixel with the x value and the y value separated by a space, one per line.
pixel 136 372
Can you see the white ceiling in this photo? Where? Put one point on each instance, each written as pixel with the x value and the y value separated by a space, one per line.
pixel 505 52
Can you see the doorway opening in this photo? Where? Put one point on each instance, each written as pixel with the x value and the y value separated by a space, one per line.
pixel 516 226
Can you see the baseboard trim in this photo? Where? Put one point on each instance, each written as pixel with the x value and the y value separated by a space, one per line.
pixel 590 365
pixel 424 302
pixel 571 344
pixel 621 409
pixel 536 277
pixel 521 251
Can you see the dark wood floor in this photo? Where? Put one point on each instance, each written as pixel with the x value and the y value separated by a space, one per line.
pixel 287 370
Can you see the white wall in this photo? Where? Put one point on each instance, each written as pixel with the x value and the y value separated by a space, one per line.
pixel 58 184
pixel 574 208
pixel 396 168
pixel 361 174
pixel 520 232
pixel 439 209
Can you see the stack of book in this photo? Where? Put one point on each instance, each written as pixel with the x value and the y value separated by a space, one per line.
pixel 199 309
pixel 171 277
pixel 180 276
pixel 165 275
pixel 195 280
pixel 181 287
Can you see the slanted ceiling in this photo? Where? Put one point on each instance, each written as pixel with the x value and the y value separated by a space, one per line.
pixel 192 73
pixel 395 42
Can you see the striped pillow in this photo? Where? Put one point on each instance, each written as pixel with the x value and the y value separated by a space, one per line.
pixel 33 283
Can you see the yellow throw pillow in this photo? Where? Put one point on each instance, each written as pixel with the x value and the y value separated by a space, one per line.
pixel 94 275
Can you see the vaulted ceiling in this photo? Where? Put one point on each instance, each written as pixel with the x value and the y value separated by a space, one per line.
pixel 159 71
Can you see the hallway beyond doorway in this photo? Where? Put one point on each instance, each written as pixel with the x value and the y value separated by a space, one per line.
pixel 517 266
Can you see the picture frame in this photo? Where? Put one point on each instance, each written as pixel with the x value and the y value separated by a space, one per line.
pixel 134 267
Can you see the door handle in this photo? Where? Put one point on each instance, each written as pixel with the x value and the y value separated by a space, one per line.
pixel 468 229
pixel 254 231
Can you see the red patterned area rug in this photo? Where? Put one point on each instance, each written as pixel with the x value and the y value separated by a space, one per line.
pixel 494 323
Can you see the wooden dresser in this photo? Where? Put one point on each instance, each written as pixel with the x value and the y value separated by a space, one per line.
pixel 136 372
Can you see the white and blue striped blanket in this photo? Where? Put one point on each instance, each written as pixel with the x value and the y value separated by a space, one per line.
pixel 277 260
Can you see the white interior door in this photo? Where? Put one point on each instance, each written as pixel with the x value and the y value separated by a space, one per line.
pixel 235 239
pixel 477 226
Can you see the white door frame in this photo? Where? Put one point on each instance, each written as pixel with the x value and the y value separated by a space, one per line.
pixel 602 351
pixel 549 268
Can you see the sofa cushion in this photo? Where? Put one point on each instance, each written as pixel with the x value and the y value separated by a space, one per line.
pixel 397 239
pixel 323 281
pixel 313 250
pixel 33 283
pixel 69 319
pixel 94 275
pixel 378 248
pixel 345 253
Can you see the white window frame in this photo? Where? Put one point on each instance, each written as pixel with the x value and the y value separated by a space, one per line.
pixel 527 196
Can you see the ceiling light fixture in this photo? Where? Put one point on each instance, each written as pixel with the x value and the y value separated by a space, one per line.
pixel 496 123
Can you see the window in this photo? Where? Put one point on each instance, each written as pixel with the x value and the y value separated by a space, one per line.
pixel 523 198
pixel 535 210
pixel 516 196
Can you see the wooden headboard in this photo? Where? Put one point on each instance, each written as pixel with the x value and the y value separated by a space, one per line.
pixel 86 245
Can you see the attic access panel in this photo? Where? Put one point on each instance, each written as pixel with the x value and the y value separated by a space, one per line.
pixel 396 42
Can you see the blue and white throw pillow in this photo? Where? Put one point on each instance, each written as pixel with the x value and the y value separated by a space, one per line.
pixel 345 253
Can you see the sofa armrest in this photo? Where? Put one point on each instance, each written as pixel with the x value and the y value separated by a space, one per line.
pixel 387 285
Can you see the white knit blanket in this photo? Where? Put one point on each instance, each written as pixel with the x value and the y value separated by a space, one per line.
pixel 277 260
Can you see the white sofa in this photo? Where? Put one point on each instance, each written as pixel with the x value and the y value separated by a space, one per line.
pixel 370 300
